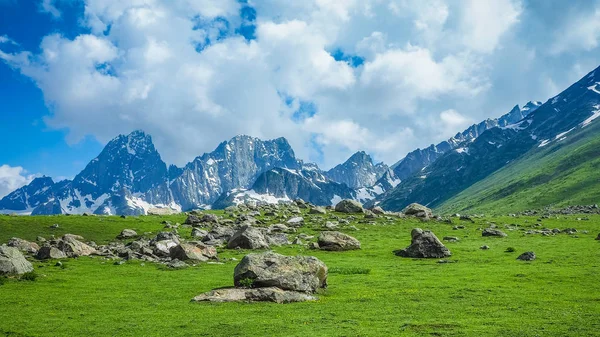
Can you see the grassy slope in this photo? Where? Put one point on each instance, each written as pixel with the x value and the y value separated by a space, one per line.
pixel 486 293
pixel 560 174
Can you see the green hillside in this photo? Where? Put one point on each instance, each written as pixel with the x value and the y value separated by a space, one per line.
pixel 562 173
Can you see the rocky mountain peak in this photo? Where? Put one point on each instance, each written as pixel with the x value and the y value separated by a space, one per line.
pixel 357 172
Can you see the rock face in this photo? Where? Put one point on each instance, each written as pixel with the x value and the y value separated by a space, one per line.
pixel 248 237
pixel 284 185
pixel 424 244
pixel 336 241
pixel 296 273
pixel 358 171
pixel 12 262
pixel 349 206
pixel 269 294
pixel 418 211
pixel 493 232
pixel 527 256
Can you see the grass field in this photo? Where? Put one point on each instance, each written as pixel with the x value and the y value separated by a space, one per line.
pixel 371 292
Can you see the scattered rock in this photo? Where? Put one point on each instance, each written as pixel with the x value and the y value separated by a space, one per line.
pixel 527 256
pixel 192 220
pixel 248 237
pixel 296 222
pixel 127 234
pixel 269 294
pixel 199 233
pixel 317 210
pixel 493 232
pixel 24 245
pixel 336 241
pixel 268 269
pixel 424 244
pixel 177 264
pixel 47 252
pixel 484 247
pixel 598 238
pixel 71 246
pixel 451 238
pixel 349 206
pixel 186 251
pixel 378 210
pixel 418 211
pixel 12 262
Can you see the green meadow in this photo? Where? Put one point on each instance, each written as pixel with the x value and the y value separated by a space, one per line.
pixel 371 291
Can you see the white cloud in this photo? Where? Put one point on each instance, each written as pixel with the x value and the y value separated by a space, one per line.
pixel 48 6
pixel 147 72
pixel 485 22
pixel 12 178
pixel 583 33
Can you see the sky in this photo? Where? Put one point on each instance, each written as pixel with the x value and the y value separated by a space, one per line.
pixel 332 76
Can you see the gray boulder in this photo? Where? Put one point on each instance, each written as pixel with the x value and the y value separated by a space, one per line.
pixel 269 269
pixel 296 221
pixel 378 210
pixel 269 294
pixel 527 256
pixel 71 246
pixel 192 220
pixel 317 210
pixel 493 232
pixel 598 238
pixel 248 237
pixel 194 252
pixel 199 233
pixel 424 244
pixel 48 252
pixel 24 245
pixel 12 262
pixel 127 234
pixel 336 241
pixel 278 239
pixel 349 206
pixel 418 211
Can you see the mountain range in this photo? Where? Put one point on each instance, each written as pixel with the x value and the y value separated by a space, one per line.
pixel 486 164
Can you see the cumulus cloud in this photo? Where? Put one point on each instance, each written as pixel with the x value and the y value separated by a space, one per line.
pixel 583 33
pixel 182 72
pixel 12 178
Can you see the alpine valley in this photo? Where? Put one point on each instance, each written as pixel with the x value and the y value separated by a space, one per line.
pixel 537 155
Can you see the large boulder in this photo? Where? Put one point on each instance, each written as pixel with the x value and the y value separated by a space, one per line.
pixel 418 211
pixel 71 246
pixel 48 252
pixel 269 294
pixel 297 221
pixel 12 262
pixel 24 245
pixel 493 232
pixel 424 244
pixel 248 237
pixel 127 234
pixel 192 220
pixel 194 252
pixel 269 269
pixel 337 241
pixel 349 206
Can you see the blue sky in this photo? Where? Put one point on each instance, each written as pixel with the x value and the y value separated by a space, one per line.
pixel 334 77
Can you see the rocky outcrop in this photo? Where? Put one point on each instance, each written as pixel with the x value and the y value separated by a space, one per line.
pixel 336 241
pixel 24 245
pixel 424 244
pixel 12 262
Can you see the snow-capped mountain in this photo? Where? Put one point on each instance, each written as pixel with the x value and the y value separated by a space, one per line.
pixel 282 184
pixel 473 160
pixel 421 158
pixel 358 171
